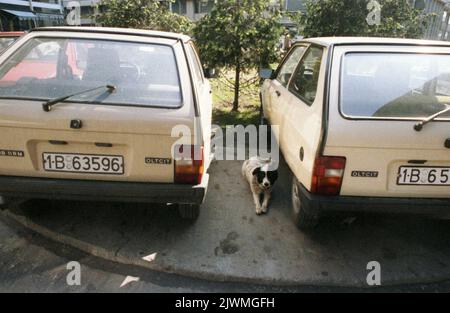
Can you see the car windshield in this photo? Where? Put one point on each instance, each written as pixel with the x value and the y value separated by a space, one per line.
pixel 395 85
pixel 5 42
pixel 48 68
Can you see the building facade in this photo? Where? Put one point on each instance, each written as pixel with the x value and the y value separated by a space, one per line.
pixel 196 9
pixel 83 11
pixel 19 15
pixel 193 9
pixel 438 25
pixel 87 9
pixel 293 5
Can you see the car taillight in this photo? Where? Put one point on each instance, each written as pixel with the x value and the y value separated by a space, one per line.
pixel 188 164
pixel 327 175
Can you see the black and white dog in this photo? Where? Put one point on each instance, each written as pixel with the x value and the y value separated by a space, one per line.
pixel 261 176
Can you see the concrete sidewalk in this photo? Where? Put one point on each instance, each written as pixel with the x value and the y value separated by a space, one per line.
pixel 230 243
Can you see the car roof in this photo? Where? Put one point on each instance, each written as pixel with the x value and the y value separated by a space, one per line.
pixel 118 31
pixel 342 41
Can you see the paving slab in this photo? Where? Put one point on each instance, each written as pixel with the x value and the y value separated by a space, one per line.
pixel 230 243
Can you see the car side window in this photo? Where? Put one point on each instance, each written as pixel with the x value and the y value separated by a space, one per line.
pixel 305 81
pixel 289 66
pixel 37 60
pixel 45 51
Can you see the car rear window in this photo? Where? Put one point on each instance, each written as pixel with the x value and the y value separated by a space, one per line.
pixel 394 85
pixel 47 68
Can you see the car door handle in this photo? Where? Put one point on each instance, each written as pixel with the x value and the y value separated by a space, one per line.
pixel 278 93
pixel 447 143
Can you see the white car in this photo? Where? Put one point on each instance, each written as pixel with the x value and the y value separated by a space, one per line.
pixel 96 114
pixel 364 125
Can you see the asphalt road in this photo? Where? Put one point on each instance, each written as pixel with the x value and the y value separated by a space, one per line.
pixel 31 263
pixel 228 243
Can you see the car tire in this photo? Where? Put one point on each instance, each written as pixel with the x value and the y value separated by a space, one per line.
pixel 304 219
pixel 262 120
pixel 3 203
pixel 7 203
pixel 189 211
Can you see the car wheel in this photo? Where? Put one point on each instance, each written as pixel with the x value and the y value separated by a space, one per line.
pixel 304 219
pixel 265 122
pixel 6 203
pixel 3 203
pixel 189 211
pixel 262 120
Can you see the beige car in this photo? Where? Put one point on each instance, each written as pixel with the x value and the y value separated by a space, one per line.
pixel 98 114
pixel 364 125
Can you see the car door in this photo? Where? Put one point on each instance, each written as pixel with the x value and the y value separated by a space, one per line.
pixel 302 115
pixel 278 92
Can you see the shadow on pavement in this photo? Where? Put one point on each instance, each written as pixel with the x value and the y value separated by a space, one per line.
pixel 229 242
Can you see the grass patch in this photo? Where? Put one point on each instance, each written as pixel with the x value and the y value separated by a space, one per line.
pixel 223 95
pixel 246 117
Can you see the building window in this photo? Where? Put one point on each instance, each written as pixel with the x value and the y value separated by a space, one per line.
pixel 203 6
pixel 294 5
pixel 179 7
pixel 87 11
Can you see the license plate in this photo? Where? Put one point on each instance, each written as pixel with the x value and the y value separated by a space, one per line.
pixel 429 176
pixel 83 163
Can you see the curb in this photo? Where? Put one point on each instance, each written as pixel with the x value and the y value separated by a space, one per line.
pixel 119 258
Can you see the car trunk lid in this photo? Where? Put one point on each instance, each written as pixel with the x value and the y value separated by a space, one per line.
pixel 140 136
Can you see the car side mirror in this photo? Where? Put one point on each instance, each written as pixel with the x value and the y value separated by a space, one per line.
pixel 266 73
pixel 209 73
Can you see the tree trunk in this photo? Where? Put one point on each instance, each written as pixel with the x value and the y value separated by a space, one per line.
pixel 237 86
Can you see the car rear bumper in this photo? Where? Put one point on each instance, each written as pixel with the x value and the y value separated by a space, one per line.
pixel 43 188
pixel 323 205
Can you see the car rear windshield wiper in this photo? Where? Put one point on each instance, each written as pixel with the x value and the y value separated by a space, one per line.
pixel 47 106
pixel 419 126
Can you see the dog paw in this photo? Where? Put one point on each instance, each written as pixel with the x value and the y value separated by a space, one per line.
pixel 264 210
pixel 259 211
